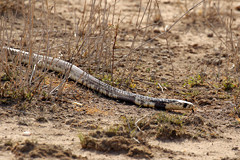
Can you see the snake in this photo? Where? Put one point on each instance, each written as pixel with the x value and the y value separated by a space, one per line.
pixel 82 77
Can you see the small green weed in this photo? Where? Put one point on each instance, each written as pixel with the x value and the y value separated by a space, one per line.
pixel 166 84
pixel 237 112
pixel 5 77
pixel 170 132
pixel 228 84
pixel 163 118
pixel 113 130
pixel 133 125
pixel 129 124
pixel 170 127
pixel 194 81
pixel 148 70
pixel 108 79
pixel 191 93
pixel 131 83
pixel 82 139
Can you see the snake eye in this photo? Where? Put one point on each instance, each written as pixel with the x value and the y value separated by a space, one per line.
pixel 185 105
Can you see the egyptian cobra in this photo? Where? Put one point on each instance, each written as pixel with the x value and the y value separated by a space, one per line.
pixel 89 81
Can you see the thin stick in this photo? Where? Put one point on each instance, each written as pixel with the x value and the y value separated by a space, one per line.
pixel 34 69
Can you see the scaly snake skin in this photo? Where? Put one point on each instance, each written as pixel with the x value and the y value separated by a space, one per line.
pixel 89 81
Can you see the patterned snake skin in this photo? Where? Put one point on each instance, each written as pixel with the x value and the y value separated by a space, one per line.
pixel 89 81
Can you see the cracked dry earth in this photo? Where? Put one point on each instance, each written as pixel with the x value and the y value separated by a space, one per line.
pixel 83 124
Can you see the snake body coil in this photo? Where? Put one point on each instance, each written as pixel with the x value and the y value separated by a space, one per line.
pixel 89 81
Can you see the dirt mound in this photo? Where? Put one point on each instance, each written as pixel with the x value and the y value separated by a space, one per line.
pixel 117 144
pixel 28 149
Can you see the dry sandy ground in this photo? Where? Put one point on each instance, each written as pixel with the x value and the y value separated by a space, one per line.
pixel 211 132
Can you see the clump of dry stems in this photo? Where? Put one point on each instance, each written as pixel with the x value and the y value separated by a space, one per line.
pixel 91 40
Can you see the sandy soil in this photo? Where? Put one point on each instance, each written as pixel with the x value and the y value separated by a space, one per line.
pixel 83 124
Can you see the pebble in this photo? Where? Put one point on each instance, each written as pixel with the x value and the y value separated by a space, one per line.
pixel 27 133
pixel 159 62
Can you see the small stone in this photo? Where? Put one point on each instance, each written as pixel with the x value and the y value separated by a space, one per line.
pixel 210 35
pixel 177 37
pixel 159 62
pixel 26 133
pixel 195 46
pixel 235 148
pixel 136 69
pixel 192 51
pixel 121 65
pixel 237 8
pixel 163 79
pixel 164 58
pixel 217 62
pixel 41 119
pixel 157 31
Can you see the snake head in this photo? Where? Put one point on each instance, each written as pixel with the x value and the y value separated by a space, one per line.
pixel 173 104
pixel 179 105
